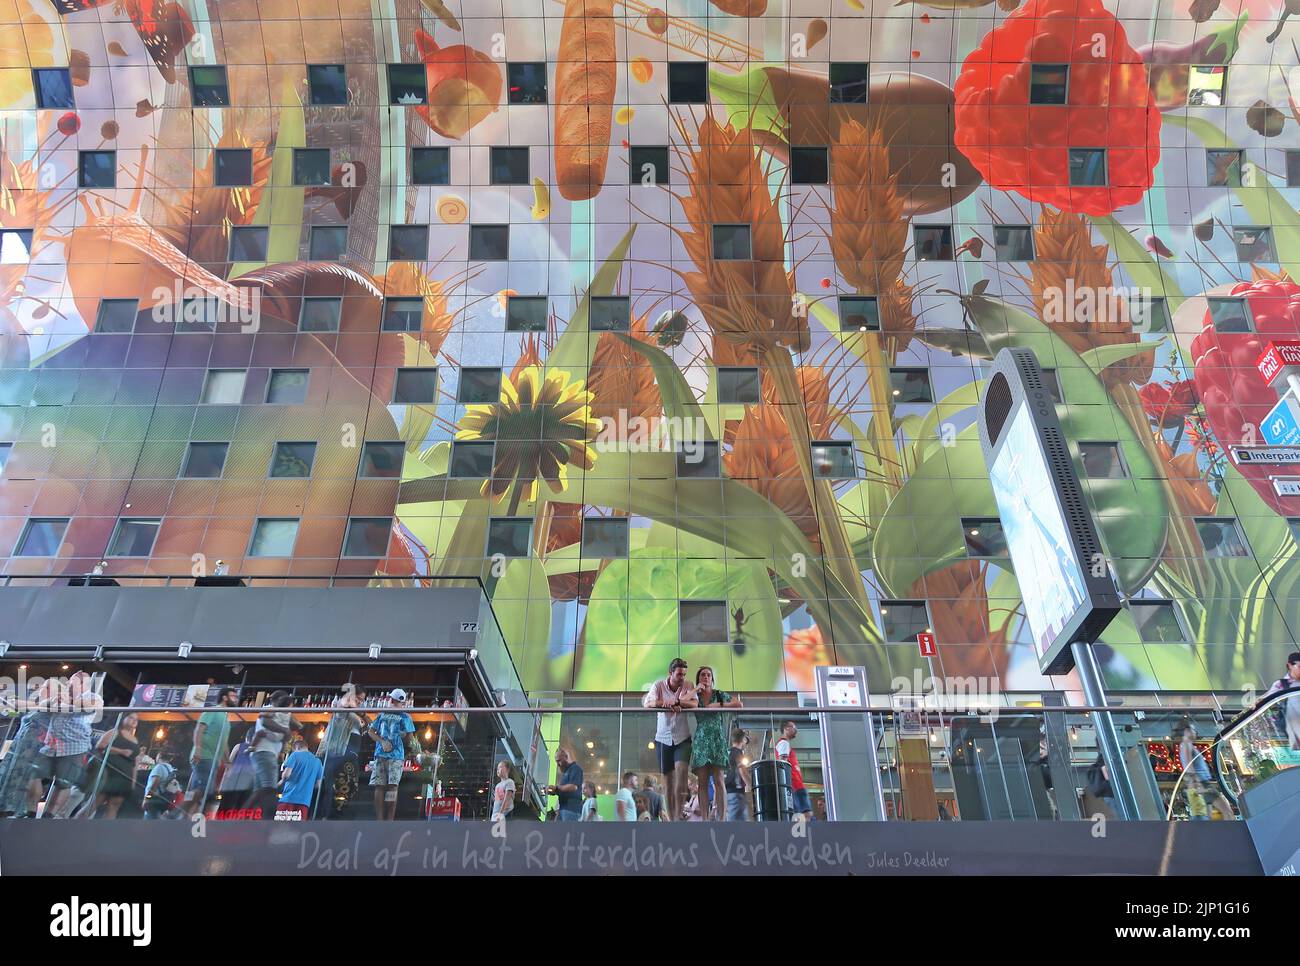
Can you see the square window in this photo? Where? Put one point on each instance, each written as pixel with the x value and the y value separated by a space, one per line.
pixel 1223 169
pixel 703 621
pixel 902 620
pixel 96 169
pixel 1049 83
pixel 849 82
pixel 1207 85
pixel 609 313
pixel 41 537
pixel 406 84
pixel 1053 386
pixel 933 242
pixel 739 384
pixel 1102 461
pixel 1149 314
pixel 479 386
pixel 5 450
pixel 198 315
pixel 833 461
pixel 1013 243
pixel 15 246
pixel 1254 245
pixel 604 537
pixel 329 243
pixel 809 166
pixel 382 461
pixel 1292 522
pixel 471 460
pixel 1293 169
pixel 1157 622
pixel 133 538
pixel 287 387
pixel 320 314
pixel 232 167
pixel 403 314
pixel 526 83
pixel 208 87
pixel 1230 315
pixel 508 166
pixel 647 165
pixel 509 536
pixel 430 166
pixel 328 83
pixel 489 243
pixel 249 244
pixel 53 88
pixel 416 387
pixel 698 459
pixel 116 315
pixel 910 385
pixel 688 82
pixel 860 312
pixel 292 461
pixel 408 243
pixel 1088 167
pixel 526 313
pixel 204 461
pixel 311 166
pixel 367 537
pixel 273 538
pixel 223 387
pixel 732 243
pixel 1221 537
pixel 984 537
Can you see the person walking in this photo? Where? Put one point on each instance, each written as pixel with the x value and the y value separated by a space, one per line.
pixel 589 813
pixel 503 795
pixel 272 730
pixel 340 746
pixel 1196 772
pixel 568 787
pixel 653 799
pixel 785 752
pixel 625 809
pixel 737 780
pixel 1290 681
pixel 238 780
pixel 211 738
pixel 390 730
pixel 709 758
pixel 120 749
pixel 673 696
pixel 160 787
pixel 301 777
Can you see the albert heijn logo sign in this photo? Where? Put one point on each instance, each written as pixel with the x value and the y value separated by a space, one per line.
pixel 1278 358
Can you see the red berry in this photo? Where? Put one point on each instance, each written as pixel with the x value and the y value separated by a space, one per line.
pixel 826 283
pixel 69 124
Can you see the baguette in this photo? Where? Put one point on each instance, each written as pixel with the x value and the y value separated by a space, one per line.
pixel 742 8
pixel 585 81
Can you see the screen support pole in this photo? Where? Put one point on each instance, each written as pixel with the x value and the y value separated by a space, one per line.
pixel 1094 693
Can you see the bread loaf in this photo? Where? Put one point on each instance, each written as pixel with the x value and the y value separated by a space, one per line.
pixel 585 81
pixel 742 8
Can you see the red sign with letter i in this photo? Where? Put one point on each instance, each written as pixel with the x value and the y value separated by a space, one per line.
pixel 926 643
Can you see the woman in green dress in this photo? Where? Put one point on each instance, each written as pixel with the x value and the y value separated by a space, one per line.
pixel 709 744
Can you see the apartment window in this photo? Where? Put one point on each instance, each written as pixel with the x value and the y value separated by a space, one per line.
pixel 479 386
pixel 1292 522
pixel 197 315
pixel 403 314
pixel 96 169
pixel 1013 243
pixel 833 461
pixel 292 461
pixel 416 387
pixel 732 243
pixel 116 315
pixel 15 246
pixel 1157 622
pixel 1053 385
pixel 860 312
pixel 406 84
pixel 208 87
pixel 526 82
pixel 367 536
pixel 604 537
pixel 273 537
pixel 809 166
pixel 849 82
pixel 703 621
pixel 42 537
pixel 609 313
pixel 1087 167
pixel 311 166
pixel 1102 461
pixel 1230 315
pixel 249 244
pixel 320 314
pixel 471 460
pixel 430 166
pixel 133 538
pixel 287 387
pixel 984 537
pixel 526 313
pixel 509 536
pixel 698 459
pixel 328 83
pixel 508 166
pixel 1049 83
pixel 1293 169
pixel 1149 314
pixel 223 387
pixel 408 243
pixel 489 243
pixel 933 242
pixel 910 385
pixel 382 461
pixel 204 461
pixel 232 167
pixel 1223 169
pixel 647 165
pixel 328 243
pixel 1207 85
pixel 688 82
pixel 1221 537
pixel 53 88
pixel 5 450
pixel 902 620
pixel 1254 245
pixel 739 384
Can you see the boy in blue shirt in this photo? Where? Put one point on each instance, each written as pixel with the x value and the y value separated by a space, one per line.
pixel 301 774
pixel 389 729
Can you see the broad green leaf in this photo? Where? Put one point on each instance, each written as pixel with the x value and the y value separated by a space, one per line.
pixel 574 347
pixel 748 99
pixel 282 202
pixel 679 399
pixel 1107 355
pixel 1140 264
pixel 521 601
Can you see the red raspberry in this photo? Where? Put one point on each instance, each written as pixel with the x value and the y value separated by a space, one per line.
pixel 1235 395
pixel 1024 147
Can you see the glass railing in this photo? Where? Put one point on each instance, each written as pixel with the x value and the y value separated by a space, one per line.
pixel 1258 744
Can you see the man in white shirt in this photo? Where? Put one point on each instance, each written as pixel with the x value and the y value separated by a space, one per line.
pixel 673 696
pixel 1291 681
pixel 625 800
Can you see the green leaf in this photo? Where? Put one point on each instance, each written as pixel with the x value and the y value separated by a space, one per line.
pixel 521 601
pixel 1140 264
pixel 1107 355
pixel 748 99
pixel 282 202
pixel 574 347
pixel 679 399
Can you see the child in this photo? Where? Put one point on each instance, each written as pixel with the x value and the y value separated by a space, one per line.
pixel 589 803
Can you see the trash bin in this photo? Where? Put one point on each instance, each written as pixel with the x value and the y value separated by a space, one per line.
pixel 773 797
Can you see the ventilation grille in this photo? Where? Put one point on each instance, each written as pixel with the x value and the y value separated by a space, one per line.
pixel 1076 513
pixel 997 406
